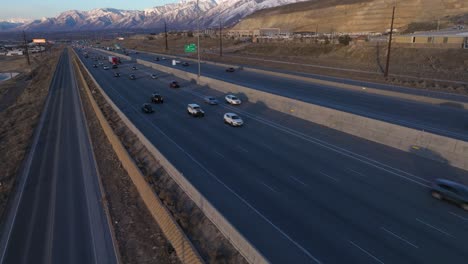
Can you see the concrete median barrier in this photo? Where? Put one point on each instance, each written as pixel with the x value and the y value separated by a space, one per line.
pixel 452 151
pixel 245 248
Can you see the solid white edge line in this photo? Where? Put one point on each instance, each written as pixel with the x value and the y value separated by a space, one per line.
pixel 397 236
pixel 365 251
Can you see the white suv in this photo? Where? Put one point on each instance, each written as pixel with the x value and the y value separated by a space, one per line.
pixel 195 110
pixel 232 99
pixel 233 119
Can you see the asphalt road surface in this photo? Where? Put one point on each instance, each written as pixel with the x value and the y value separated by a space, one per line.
pixel 448 120
pixel 57 215
pixel 300 192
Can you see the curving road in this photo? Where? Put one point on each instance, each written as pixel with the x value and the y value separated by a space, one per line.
pixel 300 192
pixel 56 215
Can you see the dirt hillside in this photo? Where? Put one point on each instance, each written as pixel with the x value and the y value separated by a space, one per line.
pixel 354 15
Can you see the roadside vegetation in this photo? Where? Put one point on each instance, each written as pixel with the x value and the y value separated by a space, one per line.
pixel 19 119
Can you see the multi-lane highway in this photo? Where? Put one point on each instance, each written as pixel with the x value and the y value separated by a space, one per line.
pixel 442 120
pixel 56 215
pixel 301 193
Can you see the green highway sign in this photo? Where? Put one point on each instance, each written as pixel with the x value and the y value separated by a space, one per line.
pixel 192 47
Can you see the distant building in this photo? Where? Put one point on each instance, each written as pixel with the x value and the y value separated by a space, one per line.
pixel 449 38
pixel 39 41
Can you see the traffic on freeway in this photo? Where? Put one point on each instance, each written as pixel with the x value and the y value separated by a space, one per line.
pixel 442 120
pixel 299 192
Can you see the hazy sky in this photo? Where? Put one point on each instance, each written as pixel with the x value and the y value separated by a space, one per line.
pixel 48 8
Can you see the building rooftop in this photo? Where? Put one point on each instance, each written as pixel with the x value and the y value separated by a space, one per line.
pixel 448 32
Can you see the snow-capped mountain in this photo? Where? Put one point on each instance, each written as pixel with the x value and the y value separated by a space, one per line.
pixel 181 15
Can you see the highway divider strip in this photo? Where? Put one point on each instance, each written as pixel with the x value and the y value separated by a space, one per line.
pixel 182 245
pixel 440 148
pixel 245 248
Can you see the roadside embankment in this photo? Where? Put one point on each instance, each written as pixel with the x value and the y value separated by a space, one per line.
pixel 19 117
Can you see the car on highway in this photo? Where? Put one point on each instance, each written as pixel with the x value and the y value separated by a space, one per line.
pixel 132 77
pixel 230 69
pixel 95 66
pixel 163 58
pixel 134 68
pixel 154 76
pixel 105 67
pixel 232 99
pixel 174 84
pixel 210 100
pixel 185 64
pixel 195 110
pixel 147 108
pixel 233 119
pixel 157 98
pixel 101 63
pixel 451 191
pixel 114 66
pixel 156 59
pixel 116 74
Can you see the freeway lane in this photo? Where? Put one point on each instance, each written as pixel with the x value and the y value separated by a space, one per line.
pixel 447 121
pixel 301 193
pixel 57 215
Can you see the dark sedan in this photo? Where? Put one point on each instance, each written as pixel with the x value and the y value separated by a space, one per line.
pixel 132 77
pixel 174 84
pixel 230 70
pixel 451 191
pixel 147 108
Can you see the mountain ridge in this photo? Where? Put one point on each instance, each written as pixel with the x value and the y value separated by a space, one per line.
pixel 180 15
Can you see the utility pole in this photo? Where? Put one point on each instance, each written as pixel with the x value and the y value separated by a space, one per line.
pixel 389 44
pixel 220 38
pixel 26 48
pixel 165 34
pixel 198 40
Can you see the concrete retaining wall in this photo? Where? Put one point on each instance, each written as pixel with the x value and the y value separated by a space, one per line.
pixel 244 247
pixel 182 245
pixel 454 151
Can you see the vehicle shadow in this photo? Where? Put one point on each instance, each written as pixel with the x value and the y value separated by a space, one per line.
pixel 452 105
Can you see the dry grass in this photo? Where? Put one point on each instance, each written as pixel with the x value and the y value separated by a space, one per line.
pixel 18 122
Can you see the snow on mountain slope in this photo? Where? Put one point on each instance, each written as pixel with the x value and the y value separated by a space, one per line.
pixel 181 15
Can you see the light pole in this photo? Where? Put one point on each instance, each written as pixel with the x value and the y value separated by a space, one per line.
pixel 389 44
pixel 198 41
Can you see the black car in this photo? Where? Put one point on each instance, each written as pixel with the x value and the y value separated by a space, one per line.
pixel 185 64
pixel 147 108
pixel 116 74
pixel 157 98
pixel 114 66
pixel 174 84
pixel 451 191
pixel 156 59
pixel 132 77
pixel 95 66
pixel 134 68
pixel 230 69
